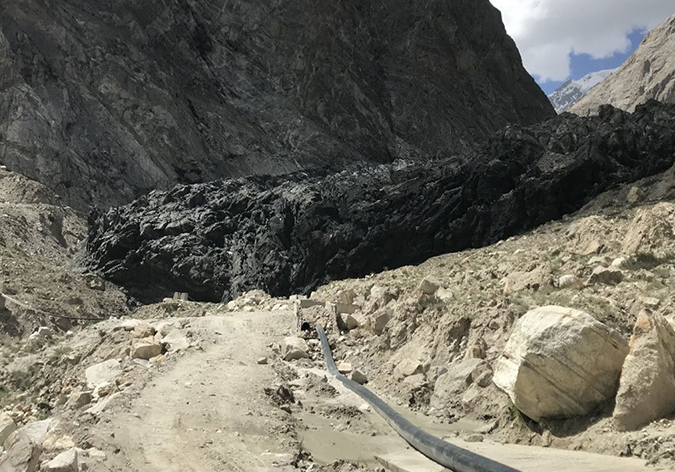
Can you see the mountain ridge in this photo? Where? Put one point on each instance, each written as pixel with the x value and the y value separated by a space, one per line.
pixel 104 101
pixel 647 74
pixel 574 90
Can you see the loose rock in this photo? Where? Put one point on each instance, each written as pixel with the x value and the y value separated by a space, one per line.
pixel 429 286
pixel 78 399
pixel 647 385
pixel 359 377
pixel 408 367
pixel 7 427
pixel 104 372
pixel 568 281
pixel 344 367
pixel 176 341
pixel 145 348
pixel 22 456
pixel 65 462
pixel 605 275
pixel 454 382
pixel 294 348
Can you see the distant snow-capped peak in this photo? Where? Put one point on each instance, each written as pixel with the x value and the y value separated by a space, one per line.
pixel 574 90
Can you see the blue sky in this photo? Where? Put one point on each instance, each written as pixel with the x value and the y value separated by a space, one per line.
pixel 582 64
pixel 562 39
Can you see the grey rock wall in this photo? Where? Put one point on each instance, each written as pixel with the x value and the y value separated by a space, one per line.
pixel 105 100
pixel 292 234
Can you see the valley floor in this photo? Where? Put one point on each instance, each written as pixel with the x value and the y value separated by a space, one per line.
pixel 206 408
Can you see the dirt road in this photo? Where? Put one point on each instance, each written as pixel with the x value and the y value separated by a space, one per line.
pixel 208 412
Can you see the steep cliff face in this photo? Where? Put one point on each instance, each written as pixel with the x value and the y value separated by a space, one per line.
pixel 287 235
pixel 648 74
pixel 104 100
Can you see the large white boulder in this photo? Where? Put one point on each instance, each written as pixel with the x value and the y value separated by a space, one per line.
pixel 559 363
pixel 647 385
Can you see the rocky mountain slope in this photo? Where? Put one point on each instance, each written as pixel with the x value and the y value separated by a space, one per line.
pixel 574 90
pixel 103 101
pixel 220 239
pixel 648 74
pixel 38 284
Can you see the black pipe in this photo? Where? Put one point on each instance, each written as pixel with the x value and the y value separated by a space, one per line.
pixel 448 455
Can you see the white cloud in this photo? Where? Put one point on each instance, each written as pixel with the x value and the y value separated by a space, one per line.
pixel 547 31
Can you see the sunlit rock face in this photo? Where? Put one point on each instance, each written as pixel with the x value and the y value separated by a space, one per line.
pixel 105 100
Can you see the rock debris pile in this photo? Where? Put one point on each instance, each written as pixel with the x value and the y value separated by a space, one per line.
pixel 218 240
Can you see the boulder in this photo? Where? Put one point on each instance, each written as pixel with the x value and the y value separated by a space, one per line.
pixel 380 321
pixel 560 362
pixel 22 455
pixel 415 380
pixel 341 308
pixel 64 462
pixel 143 330
pixel 605 275
pixel 344 367
pixel 164 328
pixel 647 385
pixel 569 281
pixel 104 390
pixel 429 286
pixel 146 348
pixel 635 195
pixel 101 373
pixel 444 294
pixel 175 341
pixel 294 348
pixel 44 332
pixel 599 260
pixel 455 381
pixel 359 377
pixel 620 263
pixel 56 441
pixel 518 281
pixel 102 404
pixel 346 297
pixel 476 348
pixel 651 230
pixel 36 431
pixel 7 427
pixel 408 367
pixel 78 399
pixel 129 325
pixel 353 320
pixel 379 298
